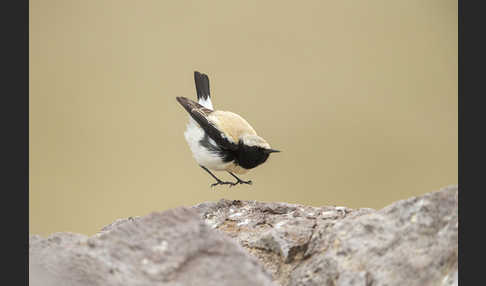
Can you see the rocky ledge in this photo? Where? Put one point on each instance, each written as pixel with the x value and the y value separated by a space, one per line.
pixel 410 242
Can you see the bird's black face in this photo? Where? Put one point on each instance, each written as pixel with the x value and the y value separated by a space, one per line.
pixel 249 157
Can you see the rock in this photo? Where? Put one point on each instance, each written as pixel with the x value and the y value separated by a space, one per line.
pixel 170 248
pixel 278 234
pixel 411 242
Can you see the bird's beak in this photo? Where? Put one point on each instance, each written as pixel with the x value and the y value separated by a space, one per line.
pixel 271 151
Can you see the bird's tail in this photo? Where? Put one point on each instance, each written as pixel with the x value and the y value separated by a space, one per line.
pixel 202 89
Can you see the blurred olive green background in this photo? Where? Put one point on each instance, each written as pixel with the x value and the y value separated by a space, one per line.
pixel 361 97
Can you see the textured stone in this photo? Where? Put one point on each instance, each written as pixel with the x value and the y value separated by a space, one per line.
pixel 278 234
pixel 171 248
pixel 410 242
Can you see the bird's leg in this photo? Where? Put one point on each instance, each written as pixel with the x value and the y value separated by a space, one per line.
pixel 218 181
pixel 240 181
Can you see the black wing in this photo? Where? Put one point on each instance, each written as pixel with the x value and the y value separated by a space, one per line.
pixel 199 113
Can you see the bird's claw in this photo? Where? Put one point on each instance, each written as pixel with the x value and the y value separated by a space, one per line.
pixel 249 182
pixel 231 184
pixel 223 183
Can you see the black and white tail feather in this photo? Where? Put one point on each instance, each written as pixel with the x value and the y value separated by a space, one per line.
pixel 202 89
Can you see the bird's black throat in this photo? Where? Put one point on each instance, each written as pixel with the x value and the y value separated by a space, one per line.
pixel 249 157
pixel 245 156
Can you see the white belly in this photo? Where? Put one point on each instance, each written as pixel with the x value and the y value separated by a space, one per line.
pixel 203 156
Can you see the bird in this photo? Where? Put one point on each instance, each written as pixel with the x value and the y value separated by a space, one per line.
pixel 221 140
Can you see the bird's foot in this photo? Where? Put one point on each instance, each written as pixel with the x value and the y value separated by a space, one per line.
pixel 239 181
pixel 219 182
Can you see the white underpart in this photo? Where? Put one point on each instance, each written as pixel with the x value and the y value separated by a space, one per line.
pixel 203 156
pixel 206 102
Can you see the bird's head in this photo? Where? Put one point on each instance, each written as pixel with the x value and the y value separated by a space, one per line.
pixel 254 151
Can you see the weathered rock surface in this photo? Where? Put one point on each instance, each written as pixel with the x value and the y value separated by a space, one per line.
pixel 171 248
pixel 411 242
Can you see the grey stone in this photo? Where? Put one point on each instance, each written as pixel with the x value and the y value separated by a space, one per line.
pixel 232 242
pixel 171 248
pixel 410 242
pixel 278 234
